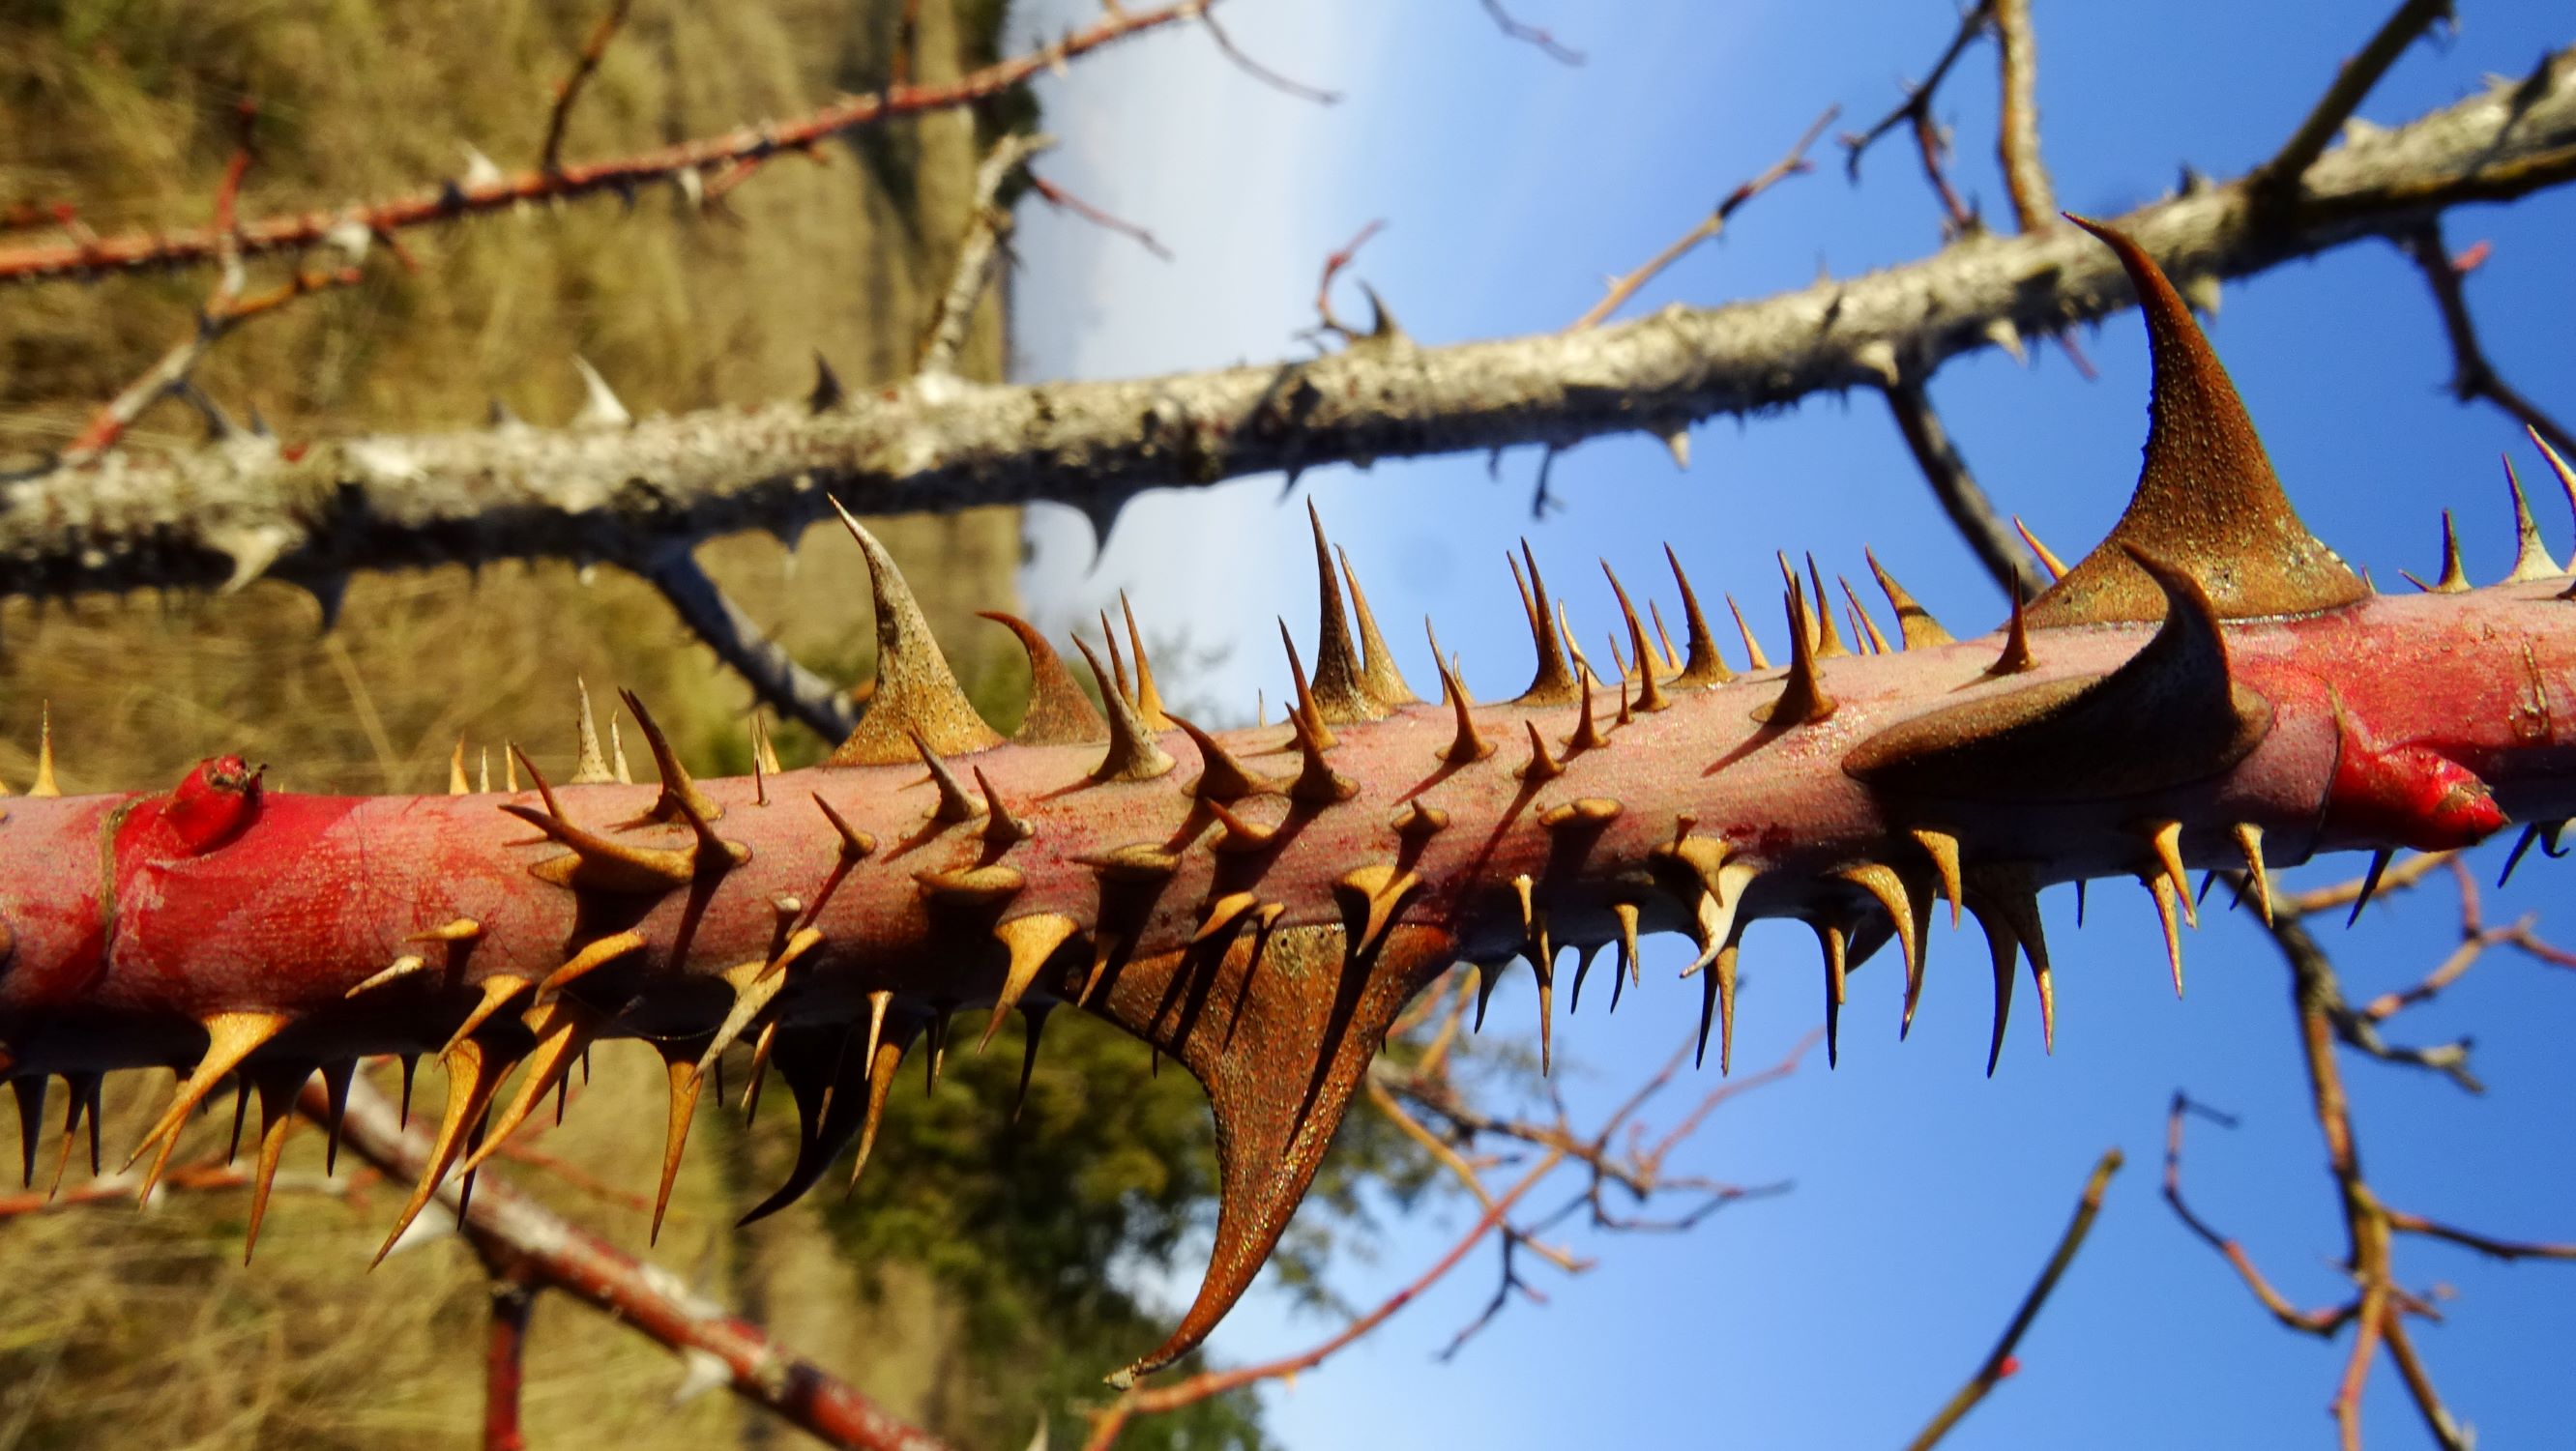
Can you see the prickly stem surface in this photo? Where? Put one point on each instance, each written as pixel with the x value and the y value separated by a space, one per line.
pixel 1263 925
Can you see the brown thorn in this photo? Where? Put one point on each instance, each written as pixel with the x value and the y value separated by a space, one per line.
pixel 1860 618
pixel 855 844
pixel 954 804
pixel 2249 839
pixel 1913 622
pixel 474 1072
pixel 1752 647
pixel 1242 837
pixel 1802 699
pixel 1305 717
pixel 1829 639
pixel 457 785
pixel 2016 658
pixel 2164 838
pixel 498 990
pixel 1466 747
pixel 1002 830
pixel 1650 696
pixel 1030 941
pixel 590 768
pixel 1058 711
pixel 277 1087
pixel 45 783
pixel 402 967
pixel 685 1085
pixel 230 1038
pixel 1133 753
pixel 1378 670
pixel 2164 891
pixel 1705 665
pixel 915 694
pixel 591 957
pixel 1587 733
pixel 1341 694
pixel 1221 776
pixel 1149 700
pixel 1553 683
pixel 2048 560
pixel 2531 556
pixel 680 798
pixel 1541 767
pixel 1943 848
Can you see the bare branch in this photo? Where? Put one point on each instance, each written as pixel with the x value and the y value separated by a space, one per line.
pixel 1793 164
pixel 1065 201
pixel 383 501
pixel 1263 73
pixel 2353 81
pixel 505 1363
pixel 987 229
pixel 1999 1362
pixel 789 688
pixel 2472 376
pixel 2017 138
pixel 1996 545
pixel 519 1237
pixel 1556 49
pixel 1915 113
pixel 550 155
pixel 91 256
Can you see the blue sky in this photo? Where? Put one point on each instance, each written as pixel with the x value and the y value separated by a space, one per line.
pixel 1926 1195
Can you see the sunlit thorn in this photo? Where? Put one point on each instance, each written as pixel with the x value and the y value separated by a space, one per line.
pixel 1752 647
pixel 2048 560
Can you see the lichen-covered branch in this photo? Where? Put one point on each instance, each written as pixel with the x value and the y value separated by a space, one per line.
pixel 313 512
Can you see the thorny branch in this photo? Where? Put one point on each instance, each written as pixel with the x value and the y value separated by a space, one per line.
pixel 392 501
pixel 1795 163
pixel 2000 1362
pixel 2380 1305
pixel 707 159
pixel 523 1242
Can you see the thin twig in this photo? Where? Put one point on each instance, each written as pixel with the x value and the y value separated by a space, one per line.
pixel 988 227
pixel 450 200
pixel 2017 132
pixel 1557 50
pixel 2353 82
pixel 1139 1402
pixel 1915 113
pixel 788 687
pixel 2000 1361
pixel 1334 264
pixel 2473 377
pixel 1263 73
pixel 515 1235
pixel 1997 547
pixel 505 1363
pixel 550 156
pixel 1065 201
pixel 1795 163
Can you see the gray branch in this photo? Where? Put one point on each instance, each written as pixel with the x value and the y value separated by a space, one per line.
pixel 232 512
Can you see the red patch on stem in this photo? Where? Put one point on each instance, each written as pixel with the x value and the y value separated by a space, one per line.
pixel 2412 795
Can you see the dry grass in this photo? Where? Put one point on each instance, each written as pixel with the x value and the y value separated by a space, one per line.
pixel 143 1329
